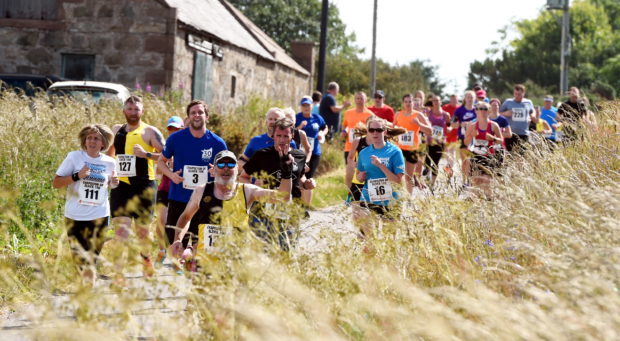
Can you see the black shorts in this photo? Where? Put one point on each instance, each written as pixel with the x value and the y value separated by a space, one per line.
pixel 175 209
pixel 89 234
pixel 356 191
pixel 412 156
pixel 462 143
pixel 378 209
pixel 162 197
pixel 313 165
pixel 135 201
pixel 516 142
pixel 484 164
pixel 435 151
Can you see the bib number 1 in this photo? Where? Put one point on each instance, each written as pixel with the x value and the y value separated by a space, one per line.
pixel 92 193
pixel 125 165
pixel 379 189
pixel 406 139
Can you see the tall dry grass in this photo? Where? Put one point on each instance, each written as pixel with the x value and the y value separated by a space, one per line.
pixel 539 261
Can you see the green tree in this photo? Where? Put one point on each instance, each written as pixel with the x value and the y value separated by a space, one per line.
pixel 289 20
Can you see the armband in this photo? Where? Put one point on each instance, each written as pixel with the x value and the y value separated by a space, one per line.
pixel 253 180
pixel 75 176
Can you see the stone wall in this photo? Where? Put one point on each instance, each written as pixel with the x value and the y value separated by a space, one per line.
pixel 132 41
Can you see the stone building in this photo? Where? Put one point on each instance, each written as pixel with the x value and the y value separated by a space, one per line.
pixel 205 48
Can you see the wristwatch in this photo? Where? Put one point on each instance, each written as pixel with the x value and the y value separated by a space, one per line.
pixel 148 155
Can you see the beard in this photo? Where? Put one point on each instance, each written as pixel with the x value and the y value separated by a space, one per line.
pixel 197 125
pixel 229 183
pixel 132 119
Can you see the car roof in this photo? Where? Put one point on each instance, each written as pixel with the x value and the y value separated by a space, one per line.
pixel 77 84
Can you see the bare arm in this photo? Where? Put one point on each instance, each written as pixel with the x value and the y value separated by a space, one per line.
pixel 112 151
pixel 351 163
pixel 304 141
pixel 189 212
pixel 469 134
pixel 163 166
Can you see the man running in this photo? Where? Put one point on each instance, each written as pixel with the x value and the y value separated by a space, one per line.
pixel 262 141
pixel 136 146
pixel 351 118
pixel 381 109
pixel 191 151
pixel 519 111
pixel 549 113
pixel 222 205
pixel 330 111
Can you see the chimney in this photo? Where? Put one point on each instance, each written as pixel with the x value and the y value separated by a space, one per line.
pixel 303 53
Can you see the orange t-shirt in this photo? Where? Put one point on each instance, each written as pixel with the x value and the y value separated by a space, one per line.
pixel 351 118
pixel 411 139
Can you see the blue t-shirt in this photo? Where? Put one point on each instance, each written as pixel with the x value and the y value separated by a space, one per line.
pixel 501 121
pixel 261 142
pixel 550 116
pixel 391 156
pixel 331 118
pixel 315 108
pixel 188 150
pixel 314 124
pixel 519 122
pixel 463 115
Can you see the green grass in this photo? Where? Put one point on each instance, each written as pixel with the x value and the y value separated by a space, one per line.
pixel 330 189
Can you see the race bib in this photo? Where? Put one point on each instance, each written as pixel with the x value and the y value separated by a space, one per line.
pixel 351 134
pixel 463 130
pixel 519 115
pixel 207 237
pixel 194 176
pixel 480 147
pixel 93 193
pixel 125 165
pixel 437 132
pixel 311 142
pixel 379 189
pixel 406 139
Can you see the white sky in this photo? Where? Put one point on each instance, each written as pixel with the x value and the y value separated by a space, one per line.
pixel 449 33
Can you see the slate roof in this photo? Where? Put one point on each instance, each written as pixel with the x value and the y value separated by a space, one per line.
pixel 224 21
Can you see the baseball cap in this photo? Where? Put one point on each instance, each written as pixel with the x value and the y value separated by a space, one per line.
pixel 224 154
pixel 306 100
pixel 481 93
pixel 175 121
pixel 379 93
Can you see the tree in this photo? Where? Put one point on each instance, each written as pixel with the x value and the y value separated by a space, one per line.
pixel 289 20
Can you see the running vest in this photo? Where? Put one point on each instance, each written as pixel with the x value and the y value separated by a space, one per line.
pixel 482 146
pixel 297 138
pixel 360 145
pixel 438 127
pixel 216 216
pixel 124 142
pixel 411 139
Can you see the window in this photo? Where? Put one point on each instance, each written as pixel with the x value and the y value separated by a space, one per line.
pixel 78 66
pixel 30 9
pixel 233 85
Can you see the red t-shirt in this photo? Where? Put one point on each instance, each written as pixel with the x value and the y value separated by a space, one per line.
pixel 453 135
pixel 386 112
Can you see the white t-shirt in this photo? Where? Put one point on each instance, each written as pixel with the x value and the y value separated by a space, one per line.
pixel 87 199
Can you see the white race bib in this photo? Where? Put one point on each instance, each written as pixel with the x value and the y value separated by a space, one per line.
pixel 351 134
pixel 437 132
pixel 481 147
pixel 519 115
pixel 463 130
pixel 194 176
pixel 379 189
pixel 92 193
pixel 406 139
pixel 125 165
pixel 207 236
pixel 311 142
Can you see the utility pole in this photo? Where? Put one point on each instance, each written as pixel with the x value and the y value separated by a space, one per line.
pixel 323 47
pixel 565 49
pixel 373 61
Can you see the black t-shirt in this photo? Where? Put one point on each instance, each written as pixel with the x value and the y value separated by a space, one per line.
pixel 325 110
pixel 572 111
pixel 265 165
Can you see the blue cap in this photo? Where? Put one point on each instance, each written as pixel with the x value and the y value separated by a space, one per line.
pixel 306 100
pixel 175 121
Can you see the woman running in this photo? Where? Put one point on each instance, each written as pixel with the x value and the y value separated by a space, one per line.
pixel 315 128
pixel 440 125
pixel 87 173
pixel 413 122
pixel 462 119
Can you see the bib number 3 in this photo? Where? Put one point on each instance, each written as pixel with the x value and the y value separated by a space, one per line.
pixel 194 176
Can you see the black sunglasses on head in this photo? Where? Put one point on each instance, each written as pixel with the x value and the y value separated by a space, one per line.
pixel 376 130
pixel 483 109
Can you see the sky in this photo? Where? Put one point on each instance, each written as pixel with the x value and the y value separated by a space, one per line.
pixel 450 34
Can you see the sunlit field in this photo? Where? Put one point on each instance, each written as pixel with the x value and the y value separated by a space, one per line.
pixel 541 260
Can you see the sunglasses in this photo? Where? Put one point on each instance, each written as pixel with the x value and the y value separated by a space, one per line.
pixel 376 130
pixel 221 165
pixel 483 109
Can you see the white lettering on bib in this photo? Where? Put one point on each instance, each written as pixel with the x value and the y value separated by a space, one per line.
pixel 379 189
pixel 93 192
pixel 194 176
pixel 125 165
pixel 406 139
pixel 519 115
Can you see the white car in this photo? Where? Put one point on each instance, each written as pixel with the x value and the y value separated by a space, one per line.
pixel 90 90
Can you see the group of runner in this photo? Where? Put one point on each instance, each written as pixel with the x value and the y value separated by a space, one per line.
pixel 206 190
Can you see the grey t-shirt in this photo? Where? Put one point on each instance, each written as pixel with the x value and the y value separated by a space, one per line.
pixel 519 122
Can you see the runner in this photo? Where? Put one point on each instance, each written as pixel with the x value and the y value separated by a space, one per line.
pixel 440 121
pixel 87 173
pixel 315 128
pixel 351 118
pixel 265 165
pixel 316 102
pixel 174 124
pixel 136 146
pixel 381 109
pixel 414 122
pixel 574 111
pixel 549 113
pixel 519 111
pixel 452 138
pixel 463 117
pixel 380 165
pixel 222 205
pixel 262 141
pixel 504 127
pixel 299 136
pixel 329 111
pixel 191 151
pixel 483 135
